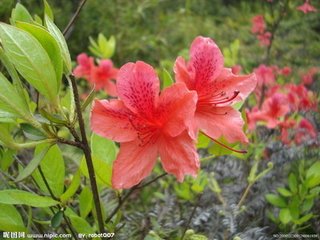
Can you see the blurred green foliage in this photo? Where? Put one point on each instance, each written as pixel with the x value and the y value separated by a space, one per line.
pixel 151 30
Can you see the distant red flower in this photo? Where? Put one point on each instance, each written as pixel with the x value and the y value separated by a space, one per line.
pixel 85 66
pixel 217 88
pixel 286 71
pixel 236 69
pixel 265 78
pixel 100 76
pixel 306 7
pixel 273 108
pixel 305 131
pixel 300 98
pixel 285 127
pixel 258 24
pixel 264 38
pixel 147 125
pixel 307 78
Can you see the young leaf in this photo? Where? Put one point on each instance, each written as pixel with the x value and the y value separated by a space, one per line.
pixel 284 192
pixel 10 219
pixel 53 169
pixel 85 202
pixel 313 174
pixel 31 132
pixel 72 188
pixel 57 219
pixel 293 183
pixel 34 163
pixel 284 215
pixel 30 59
pixel 54 30
pixel 13 196
pixel 166 78
pixel 20 13
pixel 47 10
pixel 49 43
pixel 276 200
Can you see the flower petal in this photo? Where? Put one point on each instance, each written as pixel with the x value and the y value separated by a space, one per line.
pixel 206 60
pixel 229 83
pixel 222 121
pixel 179 156
pixel 111 120
pixel 133 164
pixel 138 86
pixel 179 105
pixel 111 88
pixel 182 74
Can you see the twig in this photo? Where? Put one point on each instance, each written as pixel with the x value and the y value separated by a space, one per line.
pixel 122 200
pixel 66 219
pixel 71 143
pixel 191 216
pixel 87 153
pixel 74 17
pixel 244 195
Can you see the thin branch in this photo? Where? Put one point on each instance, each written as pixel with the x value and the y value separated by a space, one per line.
pixel 71 143
pixel 87 153
pixel 66 219
pixel 46 183
pixel 123 199
pixel 191 216
pixel 74 17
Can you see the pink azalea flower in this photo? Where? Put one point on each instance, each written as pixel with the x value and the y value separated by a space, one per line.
pixel 264 38
pixel 265 78
pixel 306 7
pixel 217 90
pixel 99 76
pixel 300 98
pixel 147 125
pixel 258 24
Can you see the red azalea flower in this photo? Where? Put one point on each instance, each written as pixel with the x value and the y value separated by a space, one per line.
pixel 306 7
pixel 265 78
pixel 258 24
pixel 272 109
pixel 264 38
pixel 285 128
pixel 286 71
pixel 217 90
pixel 85 65
pixel 307 78
pixel 147 125
pixel 101 76
pixel 305 131
pixel 300 98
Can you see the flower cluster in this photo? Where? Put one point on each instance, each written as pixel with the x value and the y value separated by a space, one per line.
pixel 283 106
pixel 306 7
pixel 259 29
pixel 150 123
pixel 100 76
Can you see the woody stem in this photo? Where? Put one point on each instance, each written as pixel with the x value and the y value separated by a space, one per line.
pixel 87 153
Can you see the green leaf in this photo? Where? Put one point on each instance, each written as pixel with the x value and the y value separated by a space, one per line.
pixel 47 10
pixel 313 174
pixel 34 163
pixel 85 202
pixel 304 219
pixel 72 189
pixel 31 132
pixel 49 43
pixel 54 30
pixel 276 200
pixel 20 13
pixel 166 79
pixel 57 219
pixel 293 183
pixel 13 196
pixel 294 207
pixel 53 169
pixel 30 59
pixel 284 192
pixel 11 101
pixel 10 219
pixel 103 149
pixel 79 224
pixel 7 158
pixel 284 215
pixel 307 205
